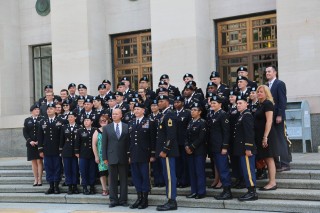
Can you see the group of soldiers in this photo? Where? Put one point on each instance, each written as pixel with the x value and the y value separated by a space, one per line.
pixel 184 128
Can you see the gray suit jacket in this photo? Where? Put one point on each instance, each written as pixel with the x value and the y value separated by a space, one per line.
pixel 113 149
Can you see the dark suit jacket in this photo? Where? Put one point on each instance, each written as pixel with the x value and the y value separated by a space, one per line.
pixel 113 149
pixel 279 93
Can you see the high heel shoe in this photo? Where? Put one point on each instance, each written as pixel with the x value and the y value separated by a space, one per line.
pixel 35 184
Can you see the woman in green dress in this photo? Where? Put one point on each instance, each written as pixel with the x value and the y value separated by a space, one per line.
pixel 97 149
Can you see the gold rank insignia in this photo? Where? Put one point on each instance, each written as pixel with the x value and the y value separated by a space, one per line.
pixel 160 126
pixel 169 122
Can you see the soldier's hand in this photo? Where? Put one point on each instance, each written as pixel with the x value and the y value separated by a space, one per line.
pixel 248 153
pixel 105 162
pixel 41 154
pixel 129 160
pixel 163 154
pixel 77 155
pixel 224 151
pixel 32 143
pixel 152 159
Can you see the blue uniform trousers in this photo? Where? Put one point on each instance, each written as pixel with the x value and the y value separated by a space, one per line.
pixel 52 165
pixel 222 164
pixel 71 170
pixel 157 172
pixel 197 173
pixel 140 176
pixel 248 166
pixel 236 167
pixel 88 171
pixel 169 174
pixel 182 167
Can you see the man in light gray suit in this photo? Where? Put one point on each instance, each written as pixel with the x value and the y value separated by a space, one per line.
pixel 115 147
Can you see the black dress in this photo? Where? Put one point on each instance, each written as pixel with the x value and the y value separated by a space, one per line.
pixel 30 133
pixel 259 127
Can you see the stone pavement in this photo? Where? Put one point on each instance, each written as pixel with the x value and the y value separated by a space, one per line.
pixel 96 208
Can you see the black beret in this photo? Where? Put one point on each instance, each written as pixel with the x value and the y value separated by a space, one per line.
pixel 211 84
pixel 216 98
pixel 162 89
pixel 72 113
pixel 215 74
pixel 88 100
pixel 179 98
pixel 101 86
pixel 121 84
pixel 210 94
pixel 110 97
pixel 236 93
pixel 125 79
pixel 96 98
pixel 141 105
pixel 34 106
pixel 243 98
pixel 155 101
pixel 80 98
pixel 242 68
pixel 196 105
pixel 82 86
pixel 88 117
pixel 253 89
pixel 188 86
pixel 144 78
pixel 66 102
pixel 187 75
pixel 49 86
pixel 242 78
pixel 162 83
pixel 163 97
pixel 193 83
pixel 52 105
pixel 71 85
pixel 134 100
pixel 106 81
pixel 164 76
pixel 119 93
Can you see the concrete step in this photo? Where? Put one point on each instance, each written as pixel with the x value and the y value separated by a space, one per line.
pixel 282 183
pixel 16 173
pixel 285 194
pixel 209 202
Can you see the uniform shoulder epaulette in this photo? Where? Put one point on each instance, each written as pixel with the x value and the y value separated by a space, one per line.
pixel 247 113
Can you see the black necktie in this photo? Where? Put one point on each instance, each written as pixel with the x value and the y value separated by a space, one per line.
pixel 51 120
pixel 138 121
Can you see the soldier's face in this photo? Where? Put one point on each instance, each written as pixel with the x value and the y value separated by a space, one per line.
pixel 242 84
pixel 195 112
pixel 121 89
pixel 216 80
pixel 178 105
pixel 187 79
pixel 143 85
pixel 138 112
pixel 212 89
pixel 243 73
pixel 241 105
pixel 215 106
pixel 108 86
pixel 163 104
pixel 102 91
pixel 253 95
pixel 232 99
pixel 51 111
pixel 112 103
pixel 83 92
pixel 72 90
pixel 165 80
pixel 87 123
pixel 187 92
pixel 63 95
pixel 80 103
pixel 96 104
pixel 35 112
pixel 154 108
pixel 119 99
pixel 142 93
pixel 49 96
pixel 88 106
pixel 71 119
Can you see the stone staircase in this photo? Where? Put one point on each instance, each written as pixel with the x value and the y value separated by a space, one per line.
pixel 298 189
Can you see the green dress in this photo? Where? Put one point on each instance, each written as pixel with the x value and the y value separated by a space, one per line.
pixel 102 166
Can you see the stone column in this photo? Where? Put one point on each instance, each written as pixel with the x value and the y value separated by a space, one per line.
pixel 78 43
pixel 181 40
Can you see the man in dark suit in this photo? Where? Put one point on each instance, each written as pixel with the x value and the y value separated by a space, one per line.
pixel 115 146
pixel 279 94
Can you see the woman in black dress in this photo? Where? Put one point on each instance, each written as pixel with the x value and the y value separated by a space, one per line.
pixel 265 135
pixel 30 132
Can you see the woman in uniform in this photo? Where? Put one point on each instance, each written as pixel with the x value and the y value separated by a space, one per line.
pixel 30 132
pixel 195 147
pixel 97 150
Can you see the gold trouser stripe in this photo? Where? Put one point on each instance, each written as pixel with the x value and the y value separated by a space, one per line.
pixel 169 177
pixel 249 171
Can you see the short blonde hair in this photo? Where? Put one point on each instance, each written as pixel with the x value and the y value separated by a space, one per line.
pixel 267 92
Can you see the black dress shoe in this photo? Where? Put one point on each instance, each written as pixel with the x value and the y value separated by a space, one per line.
pixel 250 195
pixel 39 184
pixel 225 194
pixel 270 189
pixel 36 184
pixel 193 195
pixel 85 190
pixel 124 204
pixel 170 205
pixel 200 196
pixel 111 205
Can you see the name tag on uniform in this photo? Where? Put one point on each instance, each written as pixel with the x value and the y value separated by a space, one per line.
pixel 84 134
pixel 146 125
pixel 29 122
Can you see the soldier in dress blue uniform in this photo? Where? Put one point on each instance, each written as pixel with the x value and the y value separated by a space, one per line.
pixel 48 146
pixel 188 78
pixel 80 105
pixel 244 147
pixel 128 92
pixel 129 116
pixel 70 161
pixel 183 119
pixel 222 89
pixel 43 100
pixel 243 71
pixel 65 111
pixel 112 105
pixel 144 84
pixel 154 117
pixel 83 151
pixel 164 91
pixel 190 96
pixel 72 88
pixel 82 89
pixel 140 154
pixel 88 111
pixel 102 90
pixel 253 103
pixel 121 104
pixel 195 147
pixel 30 133
pixel 98 108
pixel 219 130
pixel 243 90
pixel 167 149
pixel 173 91
pixel 107 83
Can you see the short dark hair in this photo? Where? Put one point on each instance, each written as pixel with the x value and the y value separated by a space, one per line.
pixel 65 90
pixel 273 67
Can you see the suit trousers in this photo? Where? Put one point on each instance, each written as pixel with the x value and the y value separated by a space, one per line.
pixel 88 171
pixel 118 171
pixel 71 170
pixel 170 178
pixel 222 164
pixel 197 173
pixel 52 165
pixel 282 145
pixel 248 166
pixel 140 176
